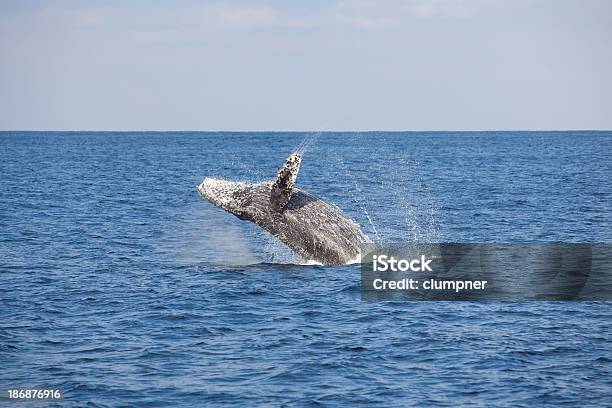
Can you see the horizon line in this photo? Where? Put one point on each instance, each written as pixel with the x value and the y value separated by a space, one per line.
pixel 302 131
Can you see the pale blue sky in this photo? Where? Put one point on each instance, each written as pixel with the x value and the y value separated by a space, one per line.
pixel 310 65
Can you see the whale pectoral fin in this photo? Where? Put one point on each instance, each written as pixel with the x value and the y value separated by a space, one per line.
pixel 285 182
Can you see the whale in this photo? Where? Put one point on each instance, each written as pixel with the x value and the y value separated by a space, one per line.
pixel 316 230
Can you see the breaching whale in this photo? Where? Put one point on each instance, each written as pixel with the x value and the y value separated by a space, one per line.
pixel 313 228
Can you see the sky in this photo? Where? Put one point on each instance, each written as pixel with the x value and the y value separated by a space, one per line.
pixel 306 65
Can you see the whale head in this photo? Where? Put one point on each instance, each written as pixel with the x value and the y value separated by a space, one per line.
pixel 235 197
pixel 232 196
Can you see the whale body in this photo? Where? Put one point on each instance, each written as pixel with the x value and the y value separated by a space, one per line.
pixel 316 230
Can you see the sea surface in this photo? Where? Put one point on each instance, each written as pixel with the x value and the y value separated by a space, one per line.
pixel 121 286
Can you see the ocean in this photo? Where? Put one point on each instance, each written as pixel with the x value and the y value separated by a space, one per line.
pixel 121 286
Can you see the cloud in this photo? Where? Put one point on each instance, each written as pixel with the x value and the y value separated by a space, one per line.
pixel 361 14
pixel 424 9
pixel 244 16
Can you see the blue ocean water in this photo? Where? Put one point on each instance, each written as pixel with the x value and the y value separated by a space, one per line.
pixel 121 286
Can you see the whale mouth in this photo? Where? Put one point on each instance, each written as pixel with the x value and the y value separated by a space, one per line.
pixel 228 195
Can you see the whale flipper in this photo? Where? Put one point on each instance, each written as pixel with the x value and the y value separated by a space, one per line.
pixel 285 183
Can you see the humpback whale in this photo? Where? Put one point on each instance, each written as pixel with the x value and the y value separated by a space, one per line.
pixel 314 229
